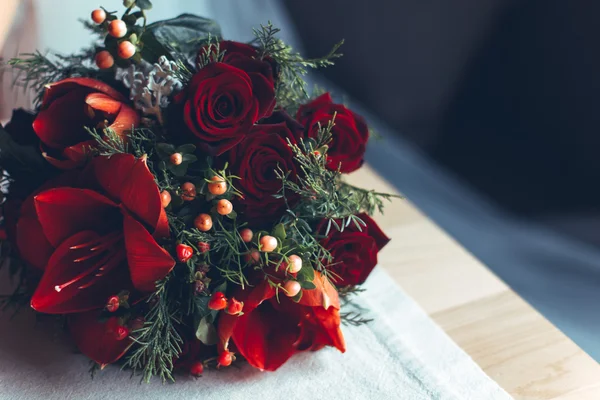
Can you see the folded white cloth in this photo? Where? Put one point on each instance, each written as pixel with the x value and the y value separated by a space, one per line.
pixel 401 354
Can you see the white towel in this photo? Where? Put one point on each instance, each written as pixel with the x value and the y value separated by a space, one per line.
pixel 401 354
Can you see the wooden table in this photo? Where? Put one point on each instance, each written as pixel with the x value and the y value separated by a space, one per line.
pixel 514 344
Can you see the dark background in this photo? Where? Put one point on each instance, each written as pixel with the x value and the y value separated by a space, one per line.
pixel 505 94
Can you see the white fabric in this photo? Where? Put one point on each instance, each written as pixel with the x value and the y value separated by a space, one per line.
pixel 402 354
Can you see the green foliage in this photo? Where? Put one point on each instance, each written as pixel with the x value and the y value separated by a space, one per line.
pixel 35 70
pixel 291 87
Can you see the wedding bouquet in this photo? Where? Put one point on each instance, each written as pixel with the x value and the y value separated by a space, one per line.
pixel 178 199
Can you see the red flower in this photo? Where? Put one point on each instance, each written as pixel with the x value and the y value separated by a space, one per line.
pixel 269 331
pixel 71 105
pixel 93 235
pixel 263 151
pixel 224 99
pixel 349 135
pixel 354 250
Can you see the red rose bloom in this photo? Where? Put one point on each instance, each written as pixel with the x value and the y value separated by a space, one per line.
pixel 71 105
pixel 349 135
pixel 224 99
pixel 354 251
pixel 270 331
pixel 93 235
pixel 255 160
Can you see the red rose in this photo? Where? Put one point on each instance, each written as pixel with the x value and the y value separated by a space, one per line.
pixel 354 250
pixel 255 160
pixel 93 235
pixel 271 330
pixel 349 135
pixel 71 105
pixel 224 100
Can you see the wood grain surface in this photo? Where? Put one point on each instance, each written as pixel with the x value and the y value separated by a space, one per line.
pixel 514 344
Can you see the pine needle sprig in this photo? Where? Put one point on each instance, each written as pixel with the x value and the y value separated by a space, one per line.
pixel 291 86
pixel 354 319
pixel 158 343
pixel 35 71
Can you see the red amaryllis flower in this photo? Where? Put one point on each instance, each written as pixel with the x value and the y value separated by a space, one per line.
pixel 93 235
pixel 71 105
pixel 270 331
pixel 255 160
pixel 224 99
pixel 354 250
pixel 349 135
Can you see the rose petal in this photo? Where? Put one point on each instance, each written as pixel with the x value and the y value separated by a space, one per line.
pixel 62 212
pixel 96 339
pixel 148 262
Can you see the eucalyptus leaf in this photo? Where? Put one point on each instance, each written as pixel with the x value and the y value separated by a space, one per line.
pixel 189 158
pixel 306 274
pixel 202 310
pixel 221 288
pixel 186 148
pixel 308 285
pixel 232 215
pixel 144 4
pixel 206 332
pixel 279 232
pixel 184 34
pixel 165 150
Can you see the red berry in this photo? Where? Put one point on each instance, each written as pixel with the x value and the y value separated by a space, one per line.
pixel 184 252
pixel 126 49
pixel 268 243
pixel 165 198
pixel 104 60
pixel 246 235
pixel 203 247
pixel 225 358
pixel 189 191
pixel 291 288
pixel 224 207
pixel 117 28
pixel 112 304
pixel 98 16
pixel 176 158
pixel 234 307
pixel 218 301
pixel 197 368
pixel 121 332
pixel 203 222
pixel 218 185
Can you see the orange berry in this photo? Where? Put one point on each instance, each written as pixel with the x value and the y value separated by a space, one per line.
pixel 252 257
pixel 268 243
pixel 117 28
pixel 291 288
pixel 189 191
pixel 203 222
pixel 98 16
pixel 224 207
pixel 295 264
pixel 246 235
pixel 104 60
pixel 218 185
pixel 126 49
pixel 165 198
pixel 176 159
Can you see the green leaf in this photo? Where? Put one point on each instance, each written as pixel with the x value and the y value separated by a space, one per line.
pixel 206 332
pixel 164 150
pixel 186 148
pixel 183 34
pixel 221 288
pixel 308 285
pixel 306 274
pixel 232 215
pixel 189 158
pixel 297 297
pixel 178 170
pixel 202 310
pixel 144 4
pixel 279 232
